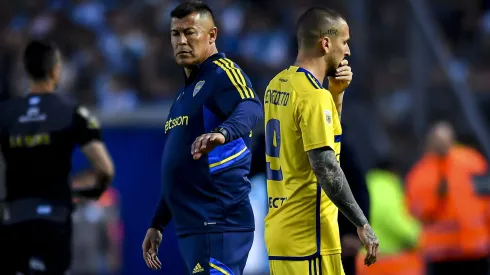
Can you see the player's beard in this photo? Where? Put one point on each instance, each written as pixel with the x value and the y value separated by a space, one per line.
pixel 332 67
pixel 331 71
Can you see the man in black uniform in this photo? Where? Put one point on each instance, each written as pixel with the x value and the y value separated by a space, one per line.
pixel 38 134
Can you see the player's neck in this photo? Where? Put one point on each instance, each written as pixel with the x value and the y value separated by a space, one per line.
pixel 316 66
pixel 44 87
pixel 212 51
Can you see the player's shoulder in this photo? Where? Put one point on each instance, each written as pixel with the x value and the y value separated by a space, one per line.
pixel 304 81
pixel 307 87
pixel 226 69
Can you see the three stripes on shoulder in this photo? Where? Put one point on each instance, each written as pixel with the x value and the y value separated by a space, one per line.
pixel 236 77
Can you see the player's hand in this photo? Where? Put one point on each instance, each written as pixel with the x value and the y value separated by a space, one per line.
pixel 150 246
pixel 206 143
pixel 371 244
pixel 338 83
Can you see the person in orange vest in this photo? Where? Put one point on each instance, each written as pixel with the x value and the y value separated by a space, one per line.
pixel 442 192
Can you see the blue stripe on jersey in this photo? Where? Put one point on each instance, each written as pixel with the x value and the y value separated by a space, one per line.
pixel 311 78
pixel 318 221
pixel 218 268
pixel 338 138
pixel 226 155
pixel 211 121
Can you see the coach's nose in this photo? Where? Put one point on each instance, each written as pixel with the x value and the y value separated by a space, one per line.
pixel 182 40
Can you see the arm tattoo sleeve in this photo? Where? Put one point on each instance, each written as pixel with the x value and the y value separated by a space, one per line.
pixel 333 182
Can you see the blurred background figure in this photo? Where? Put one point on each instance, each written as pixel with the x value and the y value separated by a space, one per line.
pixel 97 232
pixel 443 195
pixel 355 175
pixel 398 231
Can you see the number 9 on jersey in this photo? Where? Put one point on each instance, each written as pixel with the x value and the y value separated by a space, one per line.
pixel 273 147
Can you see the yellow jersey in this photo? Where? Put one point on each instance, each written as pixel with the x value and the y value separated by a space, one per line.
pixel 300 115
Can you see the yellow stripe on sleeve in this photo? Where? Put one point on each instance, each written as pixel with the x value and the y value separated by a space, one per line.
pixel 230 76
pixel 237 74
pixel 313 81
pixel 236 71
pixel 228 158
pixel 219 269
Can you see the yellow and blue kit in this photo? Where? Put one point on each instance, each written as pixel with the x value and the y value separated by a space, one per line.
pixel 301 230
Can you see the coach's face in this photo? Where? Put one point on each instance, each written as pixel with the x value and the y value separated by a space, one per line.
pixel 338 48
pixel 193 38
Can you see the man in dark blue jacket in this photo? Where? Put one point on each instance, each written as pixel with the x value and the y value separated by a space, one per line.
pixel 207 154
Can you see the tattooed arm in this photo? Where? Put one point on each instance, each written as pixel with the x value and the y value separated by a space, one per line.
pixel 333 182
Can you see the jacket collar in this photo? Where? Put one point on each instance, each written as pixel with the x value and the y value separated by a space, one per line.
pixel 203 66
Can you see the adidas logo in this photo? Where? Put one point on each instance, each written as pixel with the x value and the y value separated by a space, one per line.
pixel 198 268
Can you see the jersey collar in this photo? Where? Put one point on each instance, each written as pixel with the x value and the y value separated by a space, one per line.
pixel 302 70
pixel 203 66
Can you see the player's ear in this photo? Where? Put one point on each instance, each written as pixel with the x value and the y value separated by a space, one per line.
pixel 213 34
pixel 55 73
pixel 326 43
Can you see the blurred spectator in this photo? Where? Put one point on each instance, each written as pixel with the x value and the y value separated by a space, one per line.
pixel 443 193
pixel 356 178
pixel 117 96
pixel 397 230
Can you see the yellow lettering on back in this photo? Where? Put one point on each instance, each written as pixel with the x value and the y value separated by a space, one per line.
pixel 29 141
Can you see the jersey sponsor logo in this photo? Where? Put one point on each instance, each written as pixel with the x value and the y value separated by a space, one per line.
pixel 176 122
pixel 276 202
pixel 328 116
pixel 197 269
pixel 29 141
pixel 198 87
pixel 33 114
pixel 276 98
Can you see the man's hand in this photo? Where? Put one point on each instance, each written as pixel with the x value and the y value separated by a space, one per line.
pixel 338 83
pixel 371 243
pixel 150 246
pixel 206 143
pixel 350 245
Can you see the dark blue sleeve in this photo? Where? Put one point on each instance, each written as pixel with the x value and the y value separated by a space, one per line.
pixel 243 119
pixel 162 215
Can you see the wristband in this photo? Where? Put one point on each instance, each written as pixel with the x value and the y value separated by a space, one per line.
pixel 222 131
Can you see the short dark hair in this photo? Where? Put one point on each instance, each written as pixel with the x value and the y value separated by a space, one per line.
pixel 316 23
pixel 187 7
pixel 40 58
